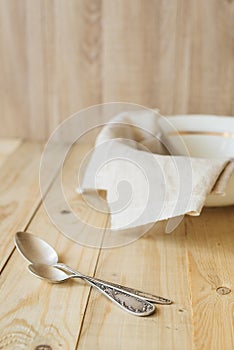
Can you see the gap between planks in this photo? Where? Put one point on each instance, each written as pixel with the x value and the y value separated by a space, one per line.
pixel 41 226
pixel 155 263
pixel 20 195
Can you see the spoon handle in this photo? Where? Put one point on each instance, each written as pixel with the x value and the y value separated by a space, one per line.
pixel 131 291
pixel 128 302
pixel 147 296
pixel 131 303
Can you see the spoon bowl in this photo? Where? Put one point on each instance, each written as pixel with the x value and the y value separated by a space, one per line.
pixel 35 249
pixel 44 260
pixel 131 303
pixel 50 273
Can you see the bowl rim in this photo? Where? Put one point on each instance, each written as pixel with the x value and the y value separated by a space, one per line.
pixel 198 124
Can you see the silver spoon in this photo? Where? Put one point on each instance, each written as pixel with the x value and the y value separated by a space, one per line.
pixel 128 302
pixel 37 251
pixel 50 273
pixel 56 274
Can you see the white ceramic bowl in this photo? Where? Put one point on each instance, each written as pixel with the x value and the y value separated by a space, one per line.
pixel 205 136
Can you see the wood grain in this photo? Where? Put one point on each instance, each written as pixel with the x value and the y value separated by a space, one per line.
pixel 139 52
pixel 7 147
pixel 211 261
pixel 20 195
pixel 193 266
pixel 156 263
pixel 44 314
pixel 58 57
pixel 212 64
pixel 50 63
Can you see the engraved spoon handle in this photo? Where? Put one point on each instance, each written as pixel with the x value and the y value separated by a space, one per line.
pixel 134 292
pixel 147 296
pixel 127 301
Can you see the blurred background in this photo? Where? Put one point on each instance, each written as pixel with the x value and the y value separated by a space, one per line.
pixel 59 56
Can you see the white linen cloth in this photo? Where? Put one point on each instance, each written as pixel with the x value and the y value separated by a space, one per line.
pixel 144 184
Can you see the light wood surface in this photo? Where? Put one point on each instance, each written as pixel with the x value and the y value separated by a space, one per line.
pixel 193 266
pixel 156 263
pixel 57 57
pixel 7 146
pixel 20 195
pixel 210 257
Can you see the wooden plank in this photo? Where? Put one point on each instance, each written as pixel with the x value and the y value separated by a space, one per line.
pixel 20 196
pixel 211 261
pixel 183 56
pixel 74 214
pixel 156 263
pixel 192 266
pixel 211 64
pixel 57 57
pixel 46 315
pixel 73 46
pixel 23 83
pixel 19 188
pixel 8 146
pixel 50 58
pixel 139 52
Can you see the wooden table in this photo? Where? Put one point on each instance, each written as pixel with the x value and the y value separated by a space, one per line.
pixel 193 266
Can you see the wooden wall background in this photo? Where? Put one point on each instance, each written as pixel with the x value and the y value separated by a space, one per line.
pixel 58 56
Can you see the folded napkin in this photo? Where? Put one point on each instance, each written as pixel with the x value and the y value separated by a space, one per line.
pixel 144 183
